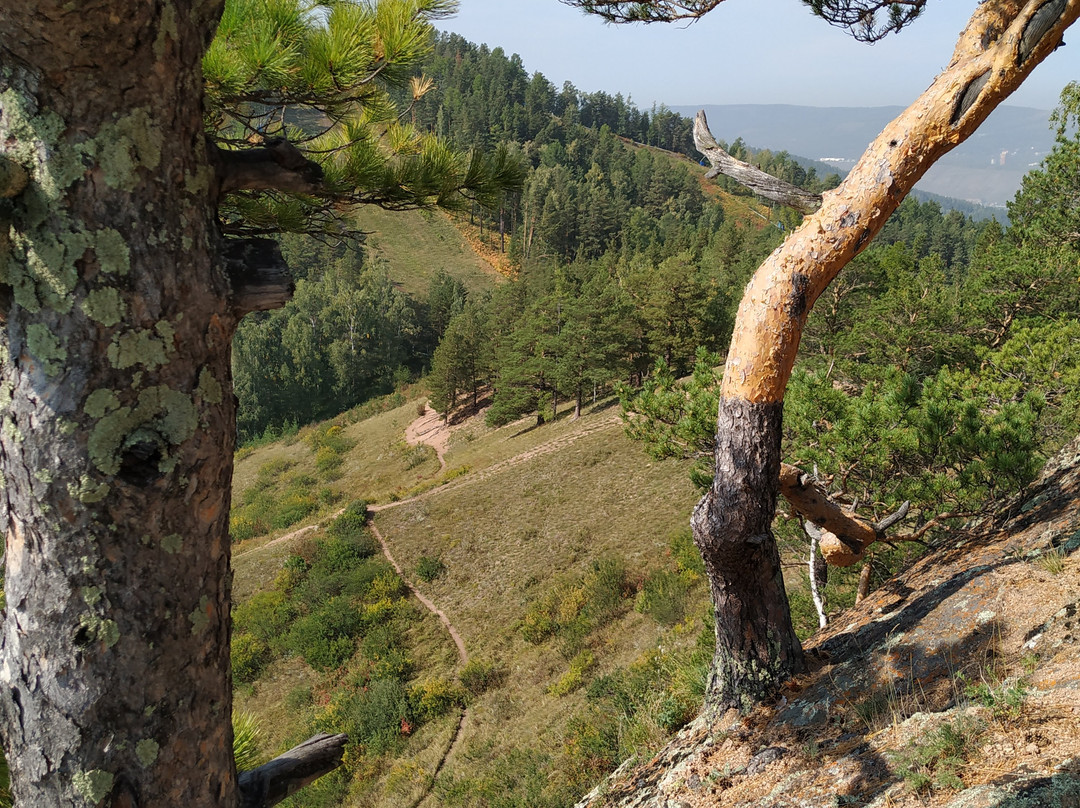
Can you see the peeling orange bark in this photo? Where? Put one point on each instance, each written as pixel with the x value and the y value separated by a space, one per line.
pixel 778 299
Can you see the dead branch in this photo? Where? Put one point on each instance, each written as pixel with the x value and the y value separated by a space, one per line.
pixel 762 184
pixel 845 536
pixel 275 166
pixel 284 775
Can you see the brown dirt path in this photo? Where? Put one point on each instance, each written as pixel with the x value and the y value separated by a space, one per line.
pixel 430 429
pixel 463 655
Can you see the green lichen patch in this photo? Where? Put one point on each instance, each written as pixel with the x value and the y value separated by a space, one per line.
pixel 34 142
pixel 172 544
pixel 160 412
pixel 133 141
pixel 200 617
pixel 46 347
pixel 104 306
pixel 43 476
pixel 92 595
pixel 94 785
pixel 198 183
pixel 146 751
pixel 112 252
pixel 100 629
pixel 100 402
pixel 209 388
pixel 137 348
pixel 87 491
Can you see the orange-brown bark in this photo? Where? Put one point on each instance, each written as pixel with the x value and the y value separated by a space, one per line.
pixel 991 59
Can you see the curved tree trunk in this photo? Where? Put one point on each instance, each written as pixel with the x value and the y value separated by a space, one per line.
pixel 756 644
pixel 118 419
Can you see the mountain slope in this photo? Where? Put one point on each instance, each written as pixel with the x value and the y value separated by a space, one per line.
pixel 955 684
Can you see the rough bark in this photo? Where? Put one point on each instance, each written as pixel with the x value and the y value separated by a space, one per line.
pixel 1001 44
pixel 756 644
pixel 258 275
pixel 117 419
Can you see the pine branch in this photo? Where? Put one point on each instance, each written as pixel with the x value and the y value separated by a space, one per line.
pixel 755 179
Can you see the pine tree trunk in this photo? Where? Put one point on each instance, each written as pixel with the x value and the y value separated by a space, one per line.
pixel 118 421
pixel 756 644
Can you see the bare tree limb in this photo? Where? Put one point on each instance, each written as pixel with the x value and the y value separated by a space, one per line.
pixel 284 775
pixel 762 184
pixel 819 573
pixel 275 166
pixel 845 537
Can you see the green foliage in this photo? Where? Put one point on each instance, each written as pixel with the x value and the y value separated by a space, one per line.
pixel 663 597
pixel 250 656
pixel 574 678
pixel 428 568
pixel 478 676
pixel 435 697
pixel 937 761
pixel 1004 699
pixel 573 610
pixel 247 741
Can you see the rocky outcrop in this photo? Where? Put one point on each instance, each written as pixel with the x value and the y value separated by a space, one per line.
pixel 978 642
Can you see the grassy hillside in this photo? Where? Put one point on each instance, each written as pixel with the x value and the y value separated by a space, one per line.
pixel 547 538
pixel 417 244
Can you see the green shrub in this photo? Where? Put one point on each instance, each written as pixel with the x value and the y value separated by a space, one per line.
pixel 575 677
pixel 250 656
pixel 477 677
pixel 352 522
pixel 686 554
pixel 663 597
pixel 428 568
pixel 435 697
pixel 326 638
pixel 330 436
pixel 265 615
pixel 375 716
pixel 327 460
pixel 291 508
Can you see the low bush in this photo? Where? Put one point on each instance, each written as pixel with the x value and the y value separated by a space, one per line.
pixel 250 656
pixel 575 677
pixel 663 597
pixel 477 676
pixel 428 568
pixel 433 698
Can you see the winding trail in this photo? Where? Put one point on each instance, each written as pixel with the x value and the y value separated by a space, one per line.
pixel 429 429
pixel 463 655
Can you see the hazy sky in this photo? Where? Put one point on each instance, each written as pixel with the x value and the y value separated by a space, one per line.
pixel 743 52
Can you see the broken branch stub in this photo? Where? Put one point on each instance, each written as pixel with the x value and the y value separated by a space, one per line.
pixel 845 537
pixel 762 184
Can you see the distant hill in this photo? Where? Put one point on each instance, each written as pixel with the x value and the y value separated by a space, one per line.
pixel 987 169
